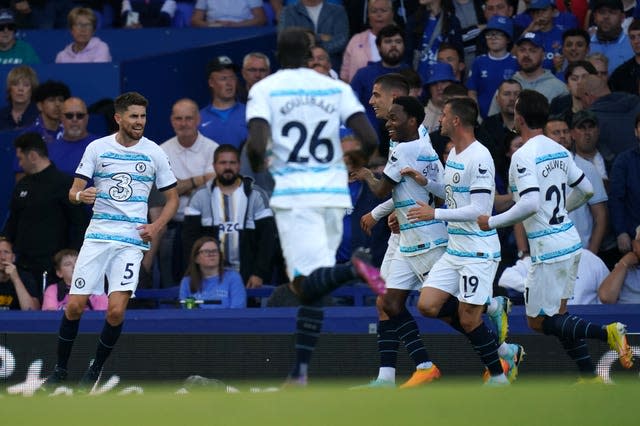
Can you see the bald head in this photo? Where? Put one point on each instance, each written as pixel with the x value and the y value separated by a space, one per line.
pixel 591 89
pixel 185 119
pixel 74 119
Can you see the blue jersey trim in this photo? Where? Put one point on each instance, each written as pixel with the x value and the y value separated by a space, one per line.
pixel 557 253
pixel 454 165
pixel 549 157
pixel 118 238
pixel 139 178
pixel 317 169
pixel 477 255
pixel 403 203
pixel 458 231
pixel 422 223
pixel 134 199
pixel 302 191
pixel 128 157
pixel 430 158
pixel 550 231
pixel 304 92
pixel 119 218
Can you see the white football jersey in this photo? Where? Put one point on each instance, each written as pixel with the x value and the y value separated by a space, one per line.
pixel 418 237
pixel 470 171
pixel 123 177
pixel 543 165
pixel 304 109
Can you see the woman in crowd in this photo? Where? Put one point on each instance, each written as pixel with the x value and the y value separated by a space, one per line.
pixel 206 279
pixel 20 111
pixel 85 47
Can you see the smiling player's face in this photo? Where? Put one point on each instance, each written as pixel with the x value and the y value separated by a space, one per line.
pixel 132 121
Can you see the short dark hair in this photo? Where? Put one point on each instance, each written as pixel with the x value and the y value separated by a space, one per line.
pixel 51 89
pixel 393 80
pixel 413 78
pixel 31 141
pixel 124 101
pixel 225 147
pixel 588 67
pixel 576 32
pixel 634 25
pixel 59 256
pixel 389 31
pixel 450 46
pixel 509 81
pixel 534 108
pixel 412 107
pixel 294 48
pixel 455 90
pixel 465 108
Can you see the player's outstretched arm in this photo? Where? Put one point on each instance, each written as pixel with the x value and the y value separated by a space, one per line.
pixel 527 205
pixel 259 133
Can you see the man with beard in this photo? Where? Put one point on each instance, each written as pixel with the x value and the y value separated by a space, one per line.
pixel 223 120
pixel 610 39
pixel 390 43
pixel 236 212
pixel 123 167
pixel 499 125
pixel 530 54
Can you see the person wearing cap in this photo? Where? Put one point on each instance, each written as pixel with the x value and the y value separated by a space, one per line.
pixel 562 20
pixel 85 47
pixel 223 120
pixel 12 51
pixel 626 78
pixel 610 38
pixel 452 55
pixel 530 56
pixel 488 71
pixel 391 47
pixel 440 77
pixel 542 12
pixel 585 134
pixel 615 112
pixel 228 13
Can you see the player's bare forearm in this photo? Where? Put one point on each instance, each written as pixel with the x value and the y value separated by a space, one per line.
pixel 259 133
pixel 147 232
pixel 75 195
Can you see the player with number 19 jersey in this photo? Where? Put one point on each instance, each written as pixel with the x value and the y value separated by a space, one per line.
pixel 123 177
pixel 305 156
pixel 545 166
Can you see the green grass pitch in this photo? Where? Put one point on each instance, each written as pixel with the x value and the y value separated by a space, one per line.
pixel 450 402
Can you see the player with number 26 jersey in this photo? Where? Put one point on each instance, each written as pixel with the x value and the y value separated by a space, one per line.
pixel 545 166
pixel 304 109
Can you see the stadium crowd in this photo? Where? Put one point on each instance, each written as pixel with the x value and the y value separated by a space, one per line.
pixel 585 61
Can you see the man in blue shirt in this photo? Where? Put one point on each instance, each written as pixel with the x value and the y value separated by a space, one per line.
pixel 610 39
pixel 224 120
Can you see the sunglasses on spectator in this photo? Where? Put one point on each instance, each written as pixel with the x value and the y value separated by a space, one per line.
pixel 10 27
pixel 76 115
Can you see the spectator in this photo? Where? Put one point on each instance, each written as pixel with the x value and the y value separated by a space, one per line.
pixel 592 218
pixel 224 120
pixel 622 285
pixel 490 70
pixel 493 8
pixel 191 157
pixel 569 104
pixel 13 51
pixel 236 212
pixel 20 111
pixel 228 13
pixel 41 14
pixel 575 47
pixel 601 63
pixel 585 134
pixel 610 38
pixel 321 62
pixel 550 34
pixel 147 13
pixel 362 47
pixel 615 112
pixel 450 54
pixel 18 289
pixel 626 78
pixel 49 97
pixel 207 280
pixel 441 76
pixel 501 124
pixel 624 193
pixel 591 273
pixel 433 23
pixel 328 21
pixel 255 67
pixel 390 43
pixel 67 150
pixel 41 219
pixel 56 295
pixel 530 56
pixel 527 19
pixel 85 47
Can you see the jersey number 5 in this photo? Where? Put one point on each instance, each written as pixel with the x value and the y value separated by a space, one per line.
pixel 320 155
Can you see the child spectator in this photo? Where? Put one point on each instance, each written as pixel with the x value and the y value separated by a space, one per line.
pixel 56 295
